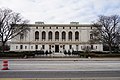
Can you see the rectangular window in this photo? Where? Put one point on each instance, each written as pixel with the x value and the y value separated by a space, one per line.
pixel 63 27
pixel 49 46
pixel 91 27
pixel 50 27
pixel 36 46
pixel 96 47
pixel 31 47
pixel 21 46
pixel 77 47
pixel 43 27
pixel 70 27
pixel 43 46
pixel 56 27
pixel 76 27
pixel 21 36
pixel 25 47
pixel 70 46
pixel 91 46
pixel 91 36
pixel 16 47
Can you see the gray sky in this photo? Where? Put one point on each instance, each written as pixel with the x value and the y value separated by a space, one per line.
pixel 62 11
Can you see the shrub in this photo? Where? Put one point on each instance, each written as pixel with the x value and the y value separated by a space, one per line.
pixel 69 53
pixel 100 52
pixel 65 52
pixel 46 52
pixel 10 54
pixel 28 53
pixel 17 54
pixel 39 52
pixel 76 52
pixel 50 52
pixel 100 55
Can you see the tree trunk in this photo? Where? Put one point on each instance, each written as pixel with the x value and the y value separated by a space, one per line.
pixel 110 48
pixel 3 47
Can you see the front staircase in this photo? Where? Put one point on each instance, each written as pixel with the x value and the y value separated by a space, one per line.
pixel 62 55
pixel 58 55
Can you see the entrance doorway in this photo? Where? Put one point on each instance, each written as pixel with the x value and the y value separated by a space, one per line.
pixel 56 48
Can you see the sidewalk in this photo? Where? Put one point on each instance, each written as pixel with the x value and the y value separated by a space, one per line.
pixel 64 59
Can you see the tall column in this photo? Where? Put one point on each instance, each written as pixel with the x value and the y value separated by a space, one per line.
pixel 46 35
pixel 79 36
pixel 60 36
pixel 40 36
pixel 53 36
pixel 73 36
pixel 66 35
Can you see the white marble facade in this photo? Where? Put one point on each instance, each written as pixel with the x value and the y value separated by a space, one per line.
pixel 55 37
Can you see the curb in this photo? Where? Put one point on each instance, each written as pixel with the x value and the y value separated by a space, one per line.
pixel 67 59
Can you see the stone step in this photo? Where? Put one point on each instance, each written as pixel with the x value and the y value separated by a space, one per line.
pixel 58 54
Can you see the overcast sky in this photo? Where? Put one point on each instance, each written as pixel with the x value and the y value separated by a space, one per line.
pixel 62 11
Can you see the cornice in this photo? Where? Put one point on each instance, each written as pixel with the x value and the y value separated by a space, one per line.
pixel 53 42
pixel 59 25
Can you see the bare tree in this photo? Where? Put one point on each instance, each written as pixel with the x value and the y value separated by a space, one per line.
pixel 11 24
pixel 108 27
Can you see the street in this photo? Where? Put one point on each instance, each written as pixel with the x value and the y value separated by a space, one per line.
pixel 64 65
pixel 61 69
pixel 58 74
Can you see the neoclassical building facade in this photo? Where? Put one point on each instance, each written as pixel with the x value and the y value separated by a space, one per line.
pixel 55 38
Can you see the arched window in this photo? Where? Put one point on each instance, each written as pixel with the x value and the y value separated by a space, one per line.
pixel 50 35
pixel 91 36
pixel 56 35
pixel 36 35
pixel 63 35
pixel 43 35
pixel 70 35
pixel 76 35
pixel 21 36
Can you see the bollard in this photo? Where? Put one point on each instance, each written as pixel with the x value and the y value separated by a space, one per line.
pixel 5 65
